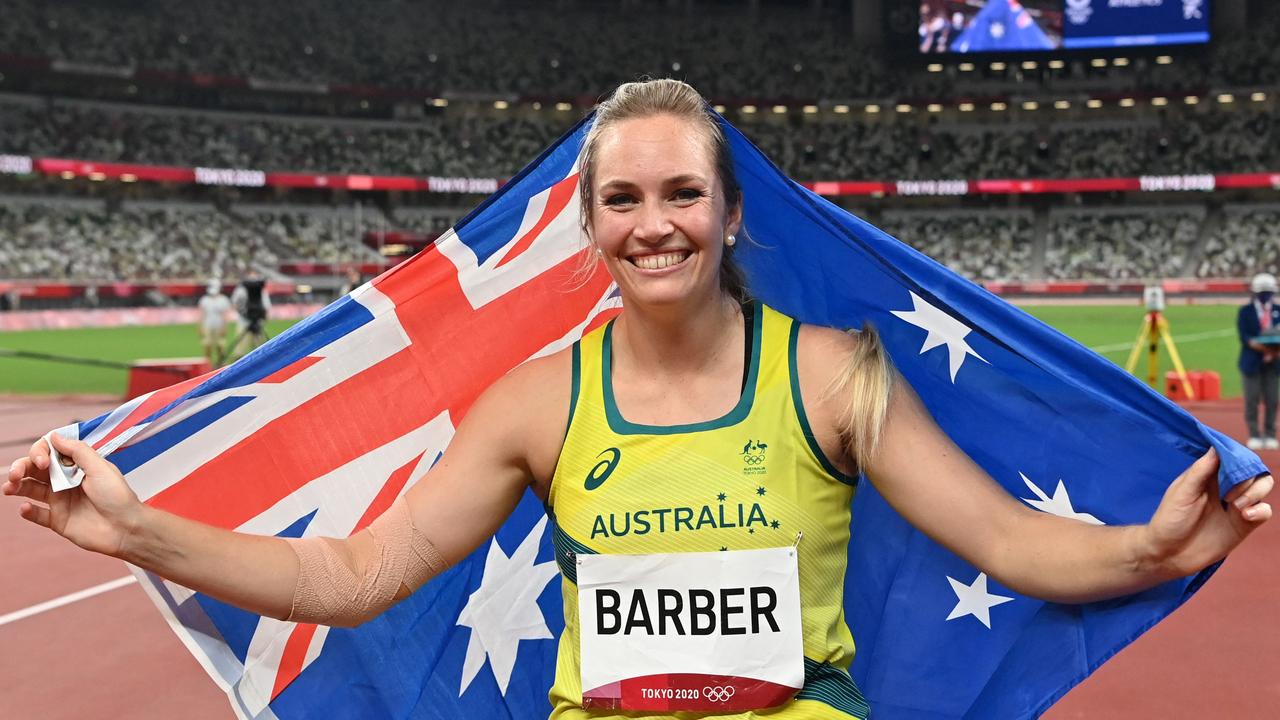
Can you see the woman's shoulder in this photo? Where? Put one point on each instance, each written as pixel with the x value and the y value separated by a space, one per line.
pixel 526 412
pixel 822 352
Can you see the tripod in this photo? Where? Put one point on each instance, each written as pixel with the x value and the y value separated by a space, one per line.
pixel 1155 328
pixel 255 330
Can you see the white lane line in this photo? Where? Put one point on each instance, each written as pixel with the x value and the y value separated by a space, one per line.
pixel 1193 337
pixel 67 599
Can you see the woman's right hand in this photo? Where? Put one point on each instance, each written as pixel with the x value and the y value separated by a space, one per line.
pixel 99 515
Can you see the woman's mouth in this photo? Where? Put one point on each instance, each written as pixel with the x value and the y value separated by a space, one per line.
pixel 659 261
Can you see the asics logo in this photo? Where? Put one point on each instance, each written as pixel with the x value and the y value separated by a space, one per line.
pixel 603 469
pixel 718 693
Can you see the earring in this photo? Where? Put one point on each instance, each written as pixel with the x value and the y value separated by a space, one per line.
pixel 599 253
pixel 730 241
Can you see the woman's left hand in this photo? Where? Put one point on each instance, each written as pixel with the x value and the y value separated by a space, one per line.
pixel 1191 529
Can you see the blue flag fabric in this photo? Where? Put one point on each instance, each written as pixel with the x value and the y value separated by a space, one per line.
pixel 318 430
pixel 999 26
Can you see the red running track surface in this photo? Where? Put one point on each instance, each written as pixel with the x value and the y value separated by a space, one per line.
pixel 112 655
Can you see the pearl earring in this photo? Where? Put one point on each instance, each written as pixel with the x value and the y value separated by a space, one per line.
pixel 730 241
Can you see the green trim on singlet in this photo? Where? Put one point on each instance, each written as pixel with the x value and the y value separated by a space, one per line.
pixel 794 370
pixel 832 686
pixel 575 384
pixel 622 426
pixel 567 549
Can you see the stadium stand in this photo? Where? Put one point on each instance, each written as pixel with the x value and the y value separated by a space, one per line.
pixel 497 145
pixel 1121 242
pixel 1244 243
pixel 979 244
pixel 136 83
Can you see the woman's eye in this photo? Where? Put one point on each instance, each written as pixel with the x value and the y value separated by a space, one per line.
pixel 620 199
pixel 687 194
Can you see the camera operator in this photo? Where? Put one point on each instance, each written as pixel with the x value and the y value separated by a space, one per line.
pixel 253 304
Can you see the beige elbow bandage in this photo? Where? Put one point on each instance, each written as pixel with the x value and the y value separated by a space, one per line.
pixel 331 592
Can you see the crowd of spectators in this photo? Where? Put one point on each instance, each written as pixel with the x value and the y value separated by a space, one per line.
pixel 52 238
pixel 1123 243
pixel 57 240
pixel 1245 243
pixel 498 144
pixel 567 48
pixel 77 242
pixel 297 234
pixel 454 144
pixel 979 244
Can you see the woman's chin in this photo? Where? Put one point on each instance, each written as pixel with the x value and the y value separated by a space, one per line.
pixel 658 294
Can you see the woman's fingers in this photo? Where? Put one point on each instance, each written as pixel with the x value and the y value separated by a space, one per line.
pixel 1247 497
pixel 1190 486
pixel 81 454
pixel 1257 513
pixel 27 487
pixel 39 454
pixel 35 513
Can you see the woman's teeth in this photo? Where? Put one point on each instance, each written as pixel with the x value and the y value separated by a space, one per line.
pixel 657 262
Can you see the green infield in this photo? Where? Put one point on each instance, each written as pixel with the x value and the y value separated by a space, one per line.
pixel 1204 334
pixel 120 344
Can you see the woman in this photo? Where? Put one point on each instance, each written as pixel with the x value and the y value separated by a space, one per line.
pixel 696 421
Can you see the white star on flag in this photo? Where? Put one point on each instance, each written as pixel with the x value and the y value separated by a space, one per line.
pixel 504 609
pixel 975 600
pixel 943 330
pixel 1059 504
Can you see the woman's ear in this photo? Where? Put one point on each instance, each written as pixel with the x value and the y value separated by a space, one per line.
pixel 733 223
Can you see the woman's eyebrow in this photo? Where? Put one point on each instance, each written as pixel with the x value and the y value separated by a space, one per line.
pixel 620 184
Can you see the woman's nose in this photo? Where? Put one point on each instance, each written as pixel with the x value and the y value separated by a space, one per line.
pixel 653 223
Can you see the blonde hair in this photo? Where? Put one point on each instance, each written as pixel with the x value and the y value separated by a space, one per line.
pixel 862 392
pixel 647 98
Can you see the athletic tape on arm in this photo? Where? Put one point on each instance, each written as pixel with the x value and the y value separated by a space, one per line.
pixel 331 592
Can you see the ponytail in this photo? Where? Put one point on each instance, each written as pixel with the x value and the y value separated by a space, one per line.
pixel 861 393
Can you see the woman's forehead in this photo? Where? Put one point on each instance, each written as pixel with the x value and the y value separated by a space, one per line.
pixel 661 145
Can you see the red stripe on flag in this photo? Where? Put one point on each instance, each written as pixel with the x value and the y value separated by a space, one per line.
pixel 295 652
pixel 295 648
pixel 557 200
pixel 387 494
pixel 154 402
pixel 456 352
pixel 289 371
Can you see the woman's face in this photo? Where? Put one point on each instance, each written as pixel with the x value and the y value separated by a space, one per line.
pixel 659 215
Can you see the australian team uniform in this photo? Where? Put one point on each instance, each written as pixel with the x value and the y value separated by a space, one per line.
pixel 752 479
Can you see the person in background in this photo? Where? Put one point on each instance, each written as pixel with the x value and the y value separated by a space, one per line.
pixel 253 304
pixel 214 307
pixel 1258 322
pixel 353 280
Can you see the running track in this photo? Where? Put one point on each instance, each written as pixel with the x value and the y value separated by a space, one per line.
pixel 112 655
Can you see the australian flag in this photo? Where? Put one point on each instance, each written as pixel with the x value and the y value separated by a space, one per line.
pixel 318 431
pixel 999 26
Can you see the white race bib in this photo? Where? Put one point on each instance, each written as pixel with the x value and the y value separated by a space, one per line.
pixel 714 631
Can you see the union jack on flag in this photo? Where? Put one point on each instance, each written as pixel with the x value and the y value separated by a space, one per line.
pixel 318 431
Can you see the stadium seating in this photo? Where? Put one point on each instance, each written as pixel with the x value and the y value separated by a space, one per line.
pixel 778 52
pixel 497 145
pixel 480 52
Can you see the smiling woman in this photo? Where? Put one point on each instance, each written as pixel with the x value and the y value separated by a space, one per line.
pixel 697 456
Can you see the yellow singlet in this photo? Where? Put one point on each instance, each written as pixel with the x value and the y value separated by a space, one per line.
pixel 750 479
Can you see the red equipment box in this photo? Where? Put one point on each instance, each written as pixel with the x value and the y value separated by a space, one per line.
pixel 148 375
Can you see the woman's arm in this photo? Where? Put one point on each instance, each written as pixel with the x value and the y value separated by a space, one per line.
pixel 942 492
pixel 508 439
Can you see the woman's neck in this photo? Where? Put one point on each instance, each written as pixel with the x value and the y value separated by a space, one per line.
pixel 679 341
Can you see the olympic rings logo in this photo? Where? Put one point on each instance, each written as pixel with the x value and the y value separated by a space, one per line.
pixel 718 694
pixel 753 459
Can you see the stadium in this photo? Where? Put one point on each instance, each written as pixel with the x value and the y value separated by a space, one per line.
pixel 1090 163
